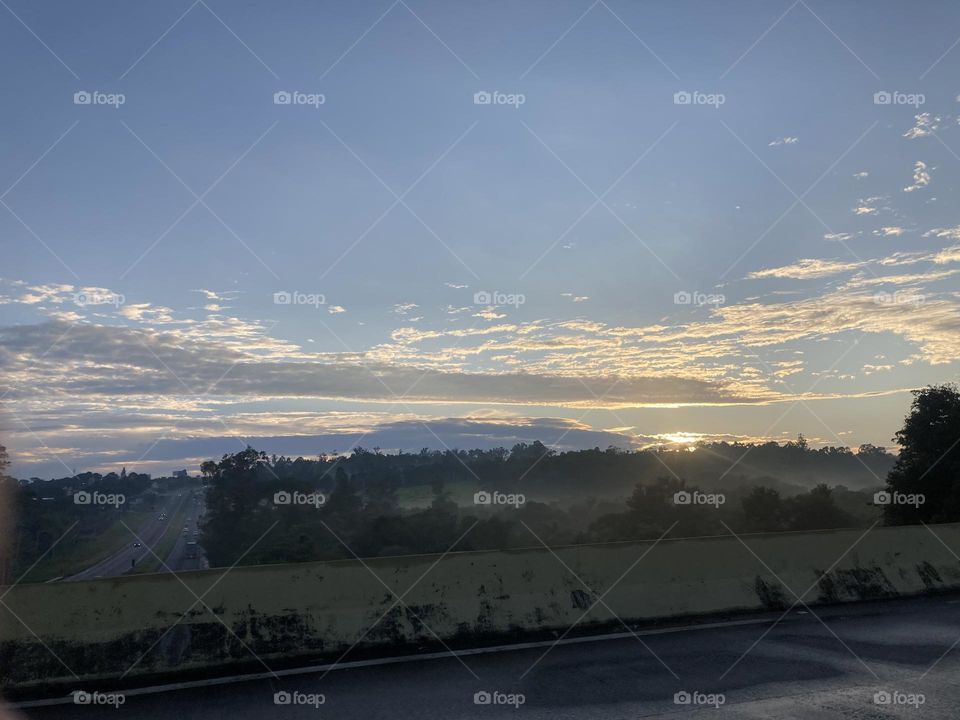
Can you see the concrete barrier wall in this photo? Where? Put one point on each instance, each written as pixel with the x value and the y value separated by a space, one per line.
pixel 142 627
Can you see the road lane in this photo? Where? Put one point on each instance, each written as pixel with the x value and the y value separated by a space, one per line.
pixel 120 562
pixel 178 557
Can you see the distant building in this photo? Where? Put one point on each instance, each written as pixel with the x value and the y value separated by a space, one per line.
pixel 180 474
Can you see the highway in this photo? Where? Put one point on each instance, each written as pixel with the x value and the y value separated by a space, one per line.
pixel 179 558
pixel 836 664
pixel 121 561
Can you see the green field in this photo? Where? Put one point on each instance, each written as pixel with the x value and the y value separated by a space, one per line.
pixel 70 557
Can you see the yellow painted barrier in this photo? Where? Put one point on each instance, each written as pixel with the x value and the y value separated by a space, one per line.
pixel 214 621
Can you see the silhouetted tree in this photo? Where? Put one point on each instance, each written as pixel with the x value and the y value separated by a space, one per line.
pixel 817 510
pixel 929 462
pixel 763 511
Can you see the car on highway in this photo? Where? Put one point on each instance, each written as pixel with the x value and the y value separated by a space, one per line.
pixel 137 544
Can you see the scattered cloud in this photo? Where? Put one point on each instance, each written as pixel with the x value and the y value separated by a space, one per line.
pixel 489 314
pixel 808 268
pixel 921 177
pixel 891 230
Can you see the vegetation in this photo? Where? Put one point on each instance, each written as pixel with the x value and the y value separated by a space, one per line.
pixel 360 513
pixel 266 509
pixel 924 485
pixel 49 528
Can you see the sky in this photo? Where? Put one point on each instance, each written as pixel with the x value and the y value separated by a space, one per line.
pixel 312 225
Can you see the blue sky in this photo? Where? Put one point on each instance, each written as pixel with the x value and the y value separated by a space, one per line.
pixel 813 229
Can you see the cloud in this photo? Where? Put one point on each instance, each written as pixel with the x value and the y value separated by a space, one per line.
pixel 489 314
pixel 892 230
pixel 948 233
pixel 332 433
pixel 950 255
pixel 926 124
pixel 147 313
pixel 409 435
pixel 92 360
pixel 921 178
pixel 808 268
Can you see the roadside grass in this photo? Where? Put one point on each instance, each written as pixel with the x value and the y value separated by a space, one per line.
pixel 70 557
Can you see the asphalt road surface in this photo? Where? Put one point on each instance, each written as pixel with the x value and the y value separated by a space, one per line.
pixel 179 557
pixel 120 562
pixel 889 659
